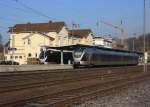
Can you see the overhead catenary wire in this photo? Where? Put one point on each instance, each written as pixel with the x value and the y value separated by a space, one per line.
pixel 3 27
pixel 15 8
pixel 8 19
pixel 12 7
pixel 33 10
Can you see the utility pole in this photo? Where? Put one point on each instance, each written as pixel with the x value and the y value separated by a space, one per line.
pixel 122 35
pixel 72 32
pixel 144 29
pixel 133 42
pixel 97 27
pixel 133 48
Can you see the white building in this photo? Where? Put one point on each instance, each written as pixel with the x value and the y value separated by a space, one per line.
pixel 26 39
pixel 103 42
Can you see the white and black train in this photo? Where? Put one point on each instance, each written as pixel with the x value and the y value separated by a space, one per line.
pixel 98 56
pixel 82 55
pixel 52 56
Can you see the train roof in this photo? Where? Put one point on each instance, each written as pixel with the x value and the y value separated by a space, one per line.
pixel 72 47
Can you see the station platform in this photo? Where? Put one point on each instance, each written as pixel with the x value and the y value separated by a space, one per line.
pixel 12 68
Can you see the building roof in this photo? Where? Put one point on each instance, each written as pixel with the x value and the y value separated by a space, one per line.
pixel 42 34
pixel 80 32
pixel 73 47
pixel 40 27
pixel 98 37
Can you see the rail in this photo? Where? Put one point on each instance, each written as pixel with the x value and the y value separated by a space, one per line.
pixel 26 88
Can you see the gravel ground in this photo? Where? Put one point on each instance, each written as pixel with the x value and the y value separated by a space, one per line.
pixel 137 95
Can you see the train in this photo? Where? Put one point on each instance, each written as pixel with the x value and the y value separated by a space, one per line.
pixel 89 56
pixel 52 56
pixel 99 56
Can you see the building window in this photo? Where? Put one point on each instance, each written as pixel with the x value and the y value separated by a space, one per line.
pixel 59 41
pixel 16 57
pixel 6 57
pixel 29 55
pixel 29 41
pixel 65 40
pixel 20 57
pixel 11 57
pixel 35 54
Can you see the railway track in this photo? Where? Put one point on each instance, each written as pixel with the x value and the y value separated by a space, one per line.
pixel 87 93
pixel 10 82
pixel 59 88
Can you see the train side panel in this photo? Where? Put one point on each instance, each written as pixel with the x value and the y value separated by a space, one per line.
pixel 95 57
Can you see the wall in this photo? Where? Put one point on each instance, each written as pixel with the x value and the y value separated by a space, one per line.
pixel 26 43
pixel 61 38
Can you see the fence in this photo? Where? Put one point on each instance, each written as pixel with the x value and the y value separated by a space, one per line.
pixel 32 61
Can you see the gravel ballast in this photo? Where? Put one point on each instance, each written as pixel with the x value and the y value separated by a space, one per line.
pixel 137 95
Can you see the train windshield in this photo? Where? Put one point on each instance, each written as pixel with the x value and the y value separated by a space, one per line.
pixel 78 52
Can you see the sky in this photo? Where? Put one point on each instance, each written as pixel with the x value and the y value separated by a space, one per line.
pixel 86 13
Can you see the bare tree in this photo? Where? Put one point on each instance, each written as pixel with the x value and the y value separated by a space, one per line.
pixel 1 39
pixel 1 43
pixel 138 43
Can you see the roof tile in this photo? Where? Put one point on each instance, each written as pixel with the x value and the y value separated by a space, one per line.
pixel 40 27
pixel 80 32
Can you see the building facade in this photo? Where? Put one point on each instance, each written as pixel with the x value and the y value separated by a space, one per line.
pixel 27 39
pixel 81 36
pixel 104 42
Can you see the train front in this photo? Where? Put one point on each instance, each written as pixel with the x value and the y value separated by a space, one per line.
pixel 42 57
pixel 77 56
